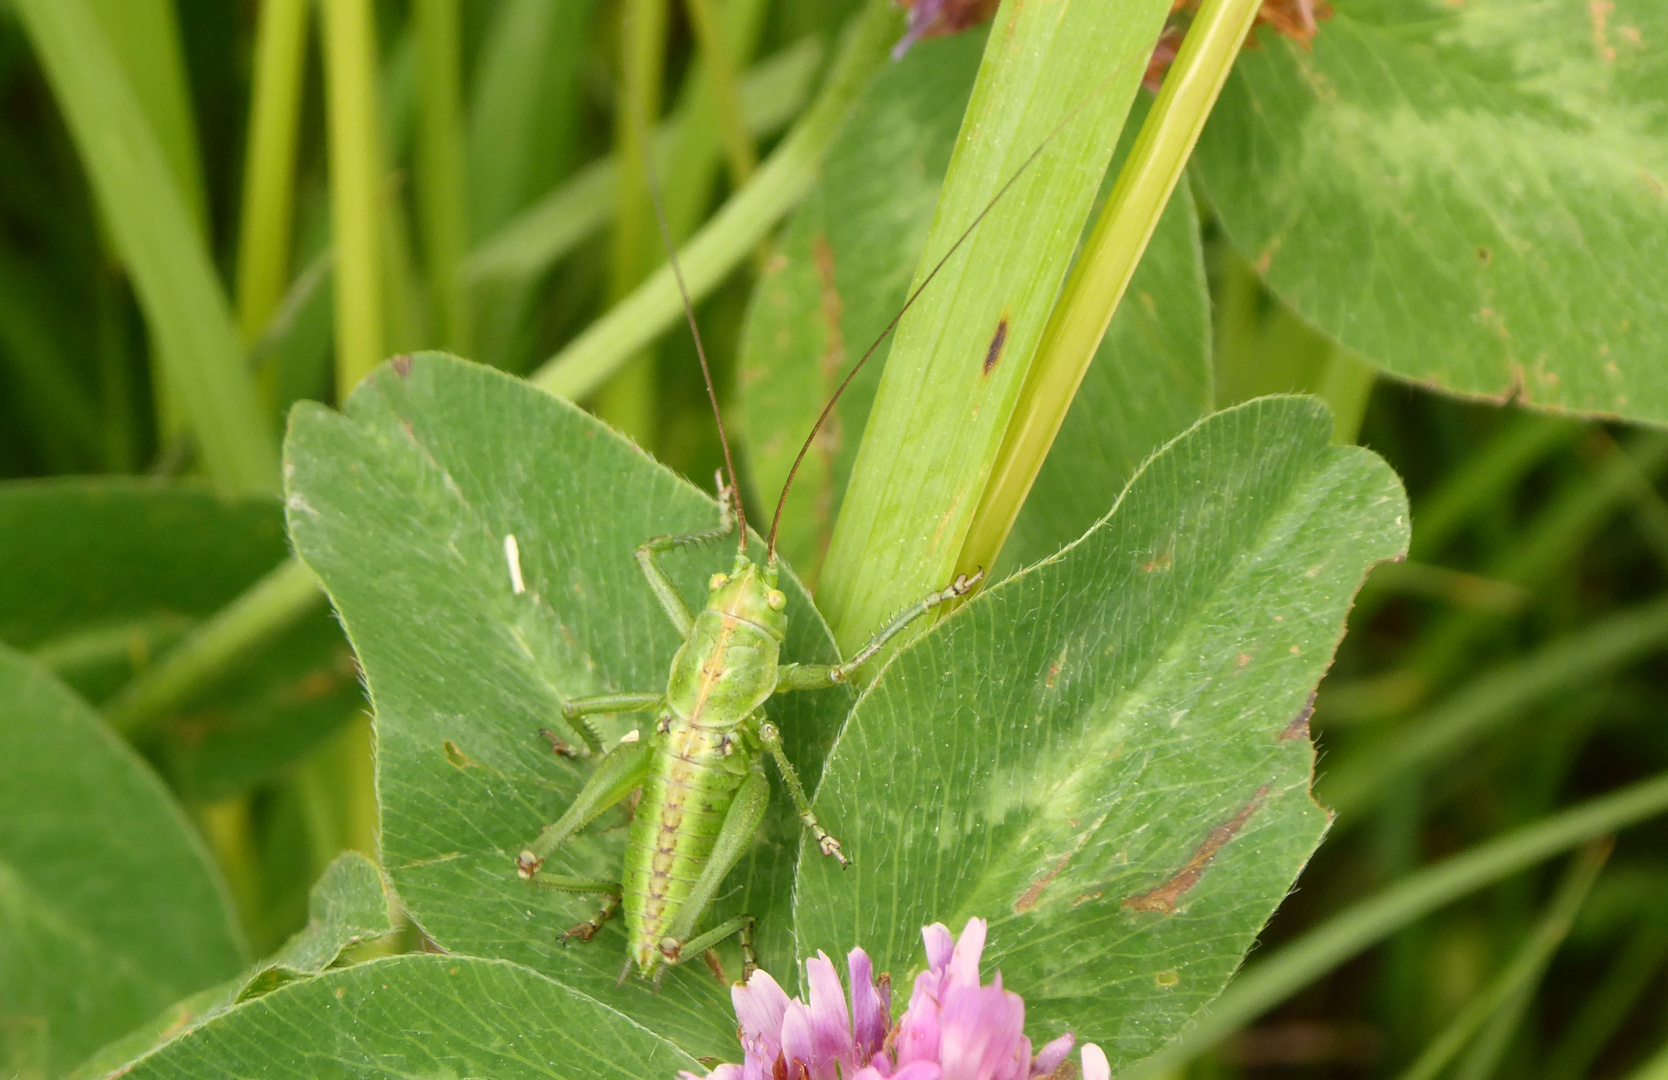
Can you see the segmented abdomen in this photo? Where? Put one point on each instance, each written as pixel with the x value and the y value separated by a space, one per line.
pixel 688 792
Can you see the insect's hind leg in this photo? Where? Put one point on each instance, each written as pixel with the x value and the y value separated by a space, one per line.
pixel 648 559
pixel 735 836
pixel 611 892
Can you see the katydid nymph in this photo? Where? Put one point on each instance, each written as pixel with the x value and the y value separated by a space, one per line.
pixel 700 763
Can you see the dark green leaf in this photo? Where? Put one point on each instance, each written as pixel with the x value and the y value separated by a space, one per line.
pixel 410 1016
pixel 347 906
pixel 1464 193
pixel 104 575
pixel 402 508
pixel 110 908
pixel 1107 755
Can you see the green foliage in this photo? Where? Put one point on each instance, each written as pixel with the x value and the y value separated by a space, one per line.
pixel 498 1019
pixel 105 575
pixel 1106 752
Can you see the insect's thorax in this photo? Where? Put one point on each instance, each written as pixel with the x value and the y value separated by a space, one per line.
pixel 727 667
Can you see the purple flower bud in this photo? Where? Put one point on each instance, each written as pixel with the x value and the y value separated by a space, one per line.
pixel 1050 1056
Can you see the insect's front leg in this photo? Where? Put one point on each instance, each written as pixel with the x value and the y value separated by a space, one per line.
pixel 575 711
pixel 771 737
pixel 817 676
pixel 648 559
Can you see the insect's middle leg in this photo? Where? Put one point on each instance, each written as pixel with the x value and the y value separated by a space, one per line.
pixel 620 773
pixel 771 737
pixel 575 711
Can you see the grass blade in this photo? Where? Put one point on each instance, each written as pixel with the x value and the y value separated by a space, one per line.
pixel 1055 85
pixel 263 256
pixel 730 237
pixel 355 188
pixel 441 180
pixel 154 231
pixel 535 239
pixel 1104 269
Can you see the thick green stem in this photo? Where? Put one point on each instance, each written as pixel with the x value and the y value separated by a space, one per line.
pixel 266 609
pixel 1271 981
pixel 730 237
pixel 441 175
pixel 1053 90
pixel 263 256
pixel 355 187
pixel 1104 269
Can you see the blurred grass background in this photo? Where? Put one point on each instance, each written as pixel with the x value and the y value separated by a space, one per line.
pixel 210 210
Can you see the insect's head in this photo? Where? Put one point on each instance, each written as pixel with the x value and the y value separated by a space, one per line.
pixel 749 592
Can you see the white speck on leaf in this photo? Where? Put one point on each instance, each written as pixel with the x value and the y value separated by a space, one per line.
pixel 512 555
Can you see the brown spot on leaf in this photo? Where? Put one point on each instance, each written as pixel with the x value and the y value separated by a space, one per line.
pixel 1599 11
pixel 401 365
pixel 455 756
pixel 994 353
pixel 1484 255
pixel 1163 562
pixel 1299 727
pixel 1165 896
pixel 1028 899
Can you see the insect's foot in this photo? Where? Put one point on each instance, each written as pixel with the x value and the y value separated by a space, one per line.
pixel 558 745
pixel 964 582
pixel 584 931
pixel 526 865
pixel 831 848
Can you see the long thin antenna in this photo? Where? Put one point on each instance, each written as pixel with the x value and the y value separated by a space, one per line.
pixel 828 409
pixel 694 330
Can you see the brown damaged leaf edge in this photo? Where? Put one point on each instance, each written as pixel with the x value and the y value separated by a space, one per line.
pixel 401 365
pixel 994 353
pixel 1165 896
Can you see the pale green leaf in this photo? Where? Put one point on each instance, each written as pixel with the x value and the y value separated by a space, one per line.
pixel 1107 755
pixel 403 507
pixel 420 1016
pixel 1472 195
pixel 347 906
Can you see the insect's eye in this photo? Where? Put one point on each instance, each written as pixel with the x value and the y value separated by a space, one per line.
pixel 717 580
pixel 776 600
